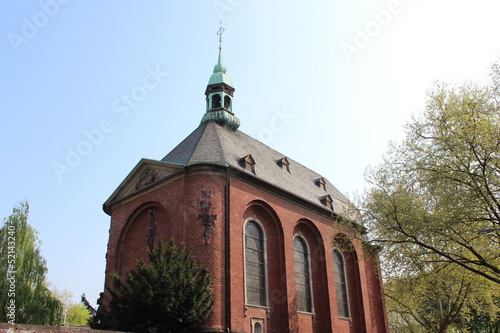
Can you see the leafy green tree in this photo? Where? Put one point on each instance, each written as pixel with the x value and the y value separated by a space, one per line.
pixel 99 319
pixel 441 185
pixel 74 314
pixel 25 297
pixel 481 322
pixel 434 210
pixel 64 296
pixel 77 315
pixel 170 294
pixel 441 297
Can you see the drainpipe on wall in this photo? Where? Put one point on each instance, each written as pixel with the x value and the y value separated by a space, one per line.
pixel 226 250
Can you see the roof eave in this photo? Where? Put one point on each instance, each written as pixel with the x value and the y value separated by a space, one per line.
pixel 276 190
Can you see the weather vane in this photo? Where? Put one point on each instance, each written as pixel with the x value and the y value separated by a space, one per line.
pixel 220 32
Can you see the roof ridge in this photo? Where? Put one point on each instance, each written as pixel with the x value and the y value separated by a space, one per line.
pixel 217 130
pixel 183 152
pixel 197 143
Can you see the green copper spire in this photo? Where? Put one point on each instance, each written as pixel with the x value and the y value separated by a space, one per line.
pixel 219 75
pixel 220 67
pixel 219 94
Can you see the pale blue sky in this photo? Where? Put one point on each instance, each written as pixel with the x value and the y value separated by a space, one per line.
pixel 340 78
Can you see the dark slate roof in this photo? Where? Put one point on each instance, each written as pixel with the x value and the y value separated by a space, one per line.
pixel 212 144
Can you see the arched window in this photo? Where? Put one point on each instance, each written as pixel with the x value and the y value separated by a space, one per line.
pixel 257 325
pixel 341 284
pixel 227 103
pixel 255 265
pixel 216 101
pixel 302 274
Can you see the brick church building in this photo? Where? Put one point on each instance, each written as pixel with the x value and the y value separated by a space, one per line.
pixel 266 227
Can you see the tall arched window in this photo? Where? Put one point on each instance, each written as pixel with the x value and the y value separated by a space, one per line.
pixel 341 284
pixel 255 265
pixel 302 274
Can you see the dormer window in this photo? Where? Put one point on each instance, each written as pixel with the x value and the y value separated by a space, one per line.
pixel 248 163
pixel 321 183
pixel 327 201
pixel 284 164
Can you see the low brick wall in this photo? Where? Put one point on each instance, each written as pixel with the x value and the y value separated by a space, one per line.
pixel 22 328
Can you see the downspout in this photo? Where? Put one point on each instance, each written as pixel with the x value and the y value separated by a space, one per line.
pixel 227 252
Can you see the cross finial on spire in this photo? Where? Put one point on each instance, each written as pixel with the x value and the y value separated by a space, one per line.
pixel 220 32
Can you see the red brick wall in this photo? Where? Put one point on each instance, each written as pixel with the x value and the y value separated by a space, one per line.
pixel 178 205
pixel 319 232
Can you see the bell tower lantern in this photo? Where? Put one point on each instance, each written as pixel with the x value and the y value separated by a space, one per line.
pixel 219 95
